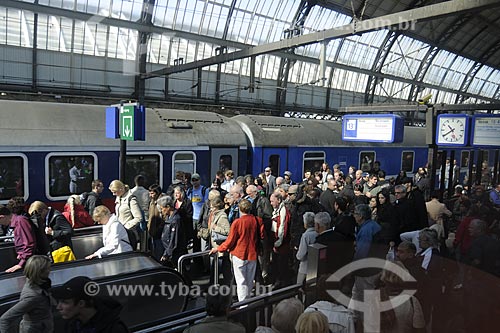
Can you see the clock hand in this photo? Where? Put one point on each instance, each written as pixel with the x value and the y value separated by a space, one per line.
pixel 452 130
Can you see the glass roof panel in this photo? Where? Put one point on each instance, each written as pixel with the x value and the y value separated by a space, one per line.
pixel 404 57
pixel 457 72
pixel 391 90
pixel 480 79
pixel 447 97
pixel 360 51
pixel 321 18
pixel 122 9
pixel 268 67
pixel 348 80
pixel 439 67
pixel 492 84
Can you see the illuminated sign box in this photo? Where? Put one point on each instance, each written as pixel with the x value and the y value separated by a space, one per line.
pixel 386 128
pixel 486 130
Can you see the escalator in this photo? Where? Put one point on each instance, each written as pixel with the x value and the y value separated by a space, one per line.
pixel 85 241
pixel 134 279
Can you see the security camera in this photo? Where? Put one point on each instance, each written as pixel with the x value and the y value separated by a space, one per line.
pixel 425 99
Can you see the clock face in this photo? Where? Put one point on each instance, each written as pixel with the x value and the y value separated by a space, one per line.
pixel 452 129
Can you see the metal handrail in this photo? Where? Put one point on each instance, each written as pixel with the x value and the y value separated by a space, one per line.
pixel 250 306
pixel 199 254
pixel 4 238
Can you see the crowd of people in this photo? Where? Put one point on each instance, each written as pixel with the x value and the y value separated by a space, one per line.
pixel 259 229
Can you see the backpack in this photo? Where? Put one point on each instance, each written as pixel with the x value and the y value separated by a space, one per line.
pixel 143 224
pixel 38 230
pixel 190 192
pixel 132 238
pixel 83 200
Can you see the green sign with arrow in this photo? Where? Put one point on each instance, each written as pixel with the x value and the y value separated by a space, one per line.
pixel 127 122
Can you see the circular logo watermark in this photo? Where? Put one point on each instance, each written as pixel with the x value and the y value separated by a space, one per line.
pixel 371 306
pixel 91 288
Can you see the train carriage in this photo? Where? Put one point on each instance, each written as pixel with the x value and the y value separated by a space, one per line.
pixel 40 144
pixel 297 145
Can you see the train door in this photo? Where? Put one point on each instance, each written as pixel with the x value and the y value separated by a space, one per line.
pixel 276 158
pixel 223 159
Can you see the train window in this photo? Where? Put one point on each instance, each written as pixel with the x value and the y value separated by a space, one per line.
pixel 486 155
pixel 366 159
pixel 439 158
pixel 407 161
pixel 312 161
pixel 149 165
pixel 13 176
pixel 183 161
pixel 274 163
pixel 225 163
pixel 464 159
pixel 70 173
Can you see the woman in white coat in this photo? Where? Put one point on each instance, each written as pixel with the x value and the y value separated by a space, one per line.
pixel 114 235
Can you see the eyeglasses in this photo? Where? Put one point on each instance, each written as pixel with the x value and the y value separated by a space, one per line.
pixel 195 179
pixel 267 171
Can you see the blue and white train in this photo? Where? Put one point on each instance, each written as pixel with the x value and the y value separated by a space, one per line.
pixel 40 144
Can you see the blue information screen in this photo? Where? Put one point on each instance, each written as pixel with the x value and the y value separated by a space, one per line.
pixel 387 128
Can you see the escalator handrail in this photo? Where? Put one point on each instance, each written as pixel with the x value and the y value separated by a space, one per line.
pixel 115 278
pixel 180 266
pixel 187 318
pixel 79 262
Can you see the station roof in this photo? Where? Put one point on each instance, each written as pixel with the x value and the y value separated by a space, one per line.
pixel 455 57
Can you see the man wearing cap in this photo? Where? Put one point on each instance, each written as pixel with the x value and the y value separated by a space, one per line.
pixel 198 195
pixel 288 178
pixel 84 311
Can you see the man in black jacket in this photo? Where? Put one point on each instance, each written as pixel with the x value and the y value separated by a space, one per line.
pixel 90 200
pixel 85 312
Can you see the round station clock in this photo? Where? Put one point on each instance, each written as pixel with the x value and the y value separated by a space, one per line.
pixel 452 129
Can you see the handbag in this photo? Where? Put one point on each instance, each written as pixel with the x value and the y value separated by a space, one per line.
pixel 204 233
pixel 218 238
pixel 63 254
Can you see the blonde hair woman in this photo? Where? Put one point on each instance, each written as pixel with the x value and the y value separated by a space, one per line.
pixel 34 306
pixel 57 228
pixel 114 235
pixel 312 322
pixel 127 208
pixel 76 214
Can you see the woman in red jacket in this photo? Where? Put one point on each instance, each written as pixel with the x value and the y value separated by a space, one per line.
pixel 242 244
pixel 76 214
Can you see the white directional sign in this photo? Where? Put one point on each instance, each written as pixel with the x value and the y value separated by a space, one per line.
pixel 486 130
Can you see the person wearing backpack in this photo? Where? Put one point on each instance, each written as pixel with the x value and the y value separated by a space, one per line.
pixel 127 208
pixel 90 200
pixel 114 234
pixel 198 195
pixel 24 237
pixel 57 229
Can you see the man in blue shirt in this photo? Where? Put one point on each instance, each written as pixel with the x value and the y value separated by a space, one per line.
pixel 198 194
pixel 495 196
pixel 366 247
